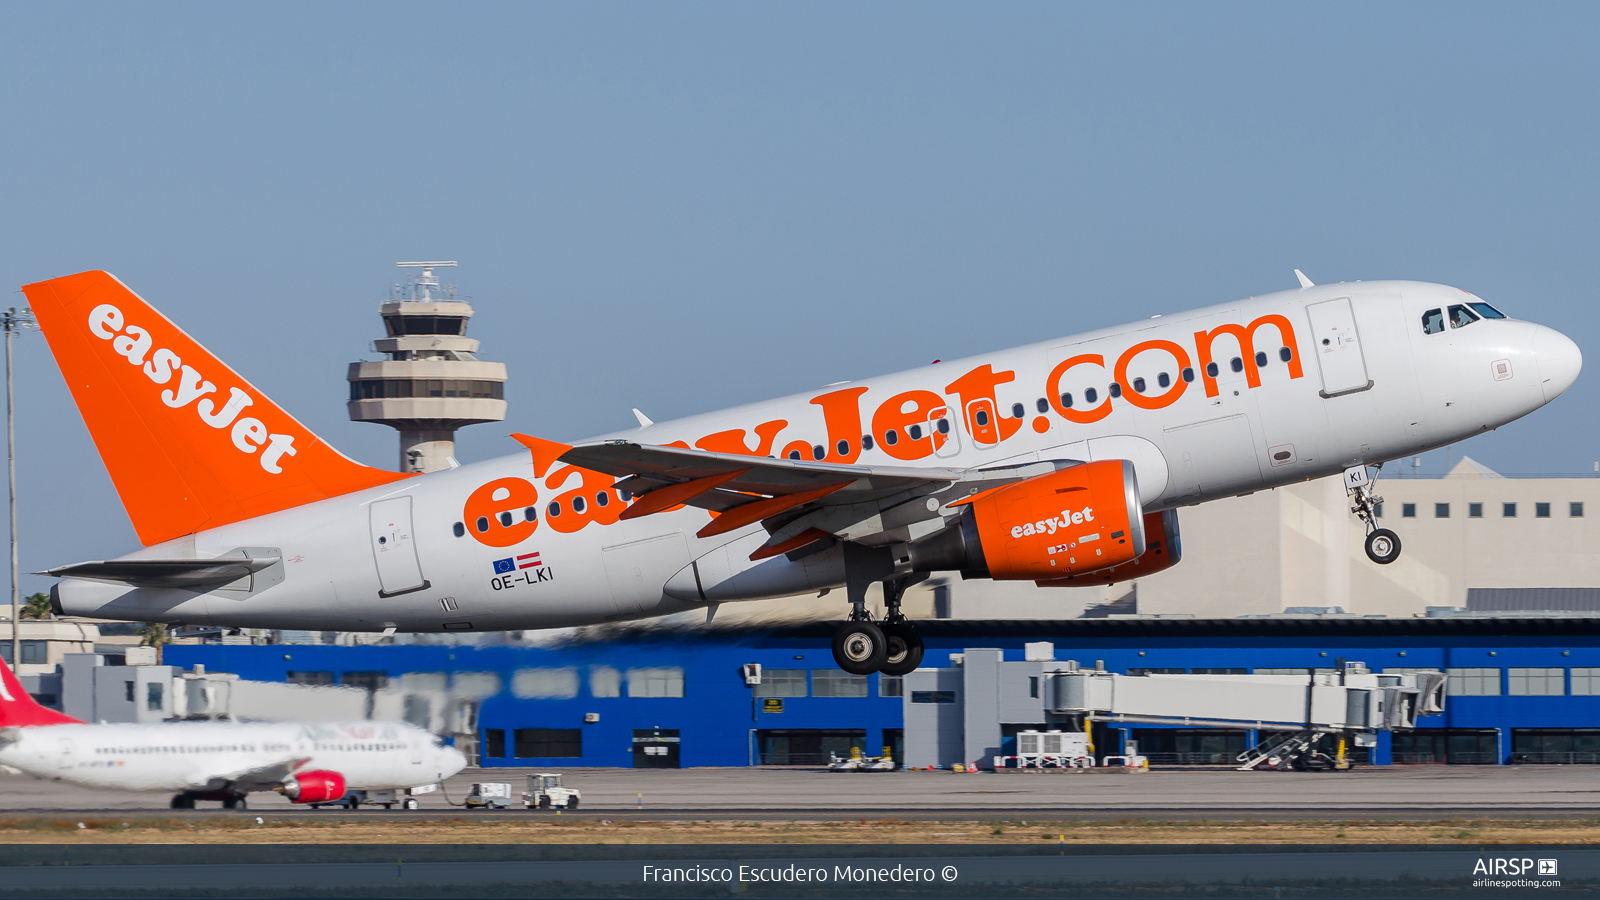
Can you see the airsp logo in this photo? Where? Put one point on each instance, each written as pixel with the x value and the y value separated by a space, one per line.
pixel 1513 866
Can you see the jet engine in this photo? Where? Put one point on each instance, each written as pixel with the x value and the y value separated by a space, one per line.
pixel 315 786
pixel 1073 521
pixel 1163 551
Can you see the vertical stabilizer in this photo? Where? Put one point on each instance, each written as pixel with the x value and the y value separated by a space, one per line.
pixel 189 444
pixel 18 708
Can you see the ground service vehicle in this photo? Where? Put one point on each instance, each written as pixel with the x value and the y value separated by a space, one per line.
pixel 1061 462
pixel 489 795
pixel 545 791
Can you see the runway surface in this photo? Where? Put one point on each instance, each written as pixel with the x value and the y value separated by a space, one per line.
pixel 778 793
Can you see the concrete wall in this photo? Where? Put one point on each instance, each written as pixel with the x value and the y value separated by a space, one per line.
pixel 933 730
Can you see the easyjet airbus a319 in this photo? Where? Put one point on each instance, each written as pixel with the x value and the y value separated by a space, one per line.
pixel 1061 462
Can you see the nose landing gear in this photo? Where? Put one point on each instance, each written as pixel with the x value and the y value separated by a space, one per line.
pixel 1383 545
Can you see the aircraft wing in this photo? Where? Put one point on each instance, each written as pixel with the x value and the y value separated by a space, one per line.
pixel 268 776
pixel 797 501
pixel 191 574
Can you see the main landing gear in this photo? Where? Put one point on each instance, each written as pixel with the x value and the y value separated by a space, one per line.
pixel 1383 545
pixel 892 647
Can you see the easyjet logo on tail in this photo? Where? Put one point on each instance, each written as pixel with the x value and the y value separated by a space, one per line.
pixel 161 366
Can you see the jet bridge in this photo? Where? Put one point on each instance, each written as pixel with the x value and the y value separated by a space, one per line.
pixel 960 713
pixel 1294 710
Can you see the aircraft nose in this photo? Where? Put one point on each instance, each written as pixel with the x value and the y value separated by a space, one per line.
pixel 454 761
pixel 1560 361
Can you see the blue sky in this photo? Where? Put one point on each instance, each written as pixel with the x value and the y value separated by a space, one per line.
pixel 682 207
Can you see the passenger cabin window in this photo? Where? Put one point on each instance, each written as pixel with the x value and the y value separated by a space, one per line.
pixel 1042 405
pixel 1164 380
pixel 1236 364
pixel 1138 385
pixel 1211 369
pixel 1018 410
pixel 1116 389
pixel 866 442
pixel 1089 395
pixel 1461 316
pixel 1066 401
pixel 1188 374
pixel 1285 354
pixel 1487 311
pixel 1433 321
pixel 817 452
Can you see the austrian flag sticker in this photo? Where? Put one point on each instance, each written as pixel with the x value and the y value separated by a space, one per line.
pixel 510 564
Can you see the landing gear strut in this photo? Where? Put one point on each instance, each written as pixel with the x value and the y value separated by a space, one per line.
pixel 861 647
pixel 1383 545
pixel 903 652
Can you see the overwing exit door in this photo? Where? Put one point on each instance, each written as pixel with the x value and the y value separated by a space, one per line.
pixel 1337 345
pixel 394 551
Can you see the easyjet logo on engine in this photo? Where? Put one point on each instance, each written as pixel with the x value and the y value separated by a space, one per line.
pixel 1050 526
pixel 159 364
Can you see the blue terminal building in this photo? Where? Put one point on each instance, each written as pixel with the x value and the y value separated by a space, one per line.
pixel 1521 690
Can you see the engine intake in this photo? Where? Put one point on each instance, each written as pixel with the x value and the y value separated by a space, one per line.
pixel 315 786
pixel 1081 519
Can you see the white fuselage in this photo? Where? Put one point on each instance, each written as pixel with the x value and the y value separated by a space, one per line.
pixel 228 756
pixel 1371 386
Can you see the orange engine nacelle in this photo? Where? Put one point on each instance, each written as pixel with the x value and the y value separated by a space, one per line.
pixel 1163 550
pixel 316 786
pixel 1081 519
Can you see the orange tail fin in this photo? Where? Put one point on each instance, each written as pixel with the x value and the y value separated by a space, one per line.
pixel 190 445
pixel 18 708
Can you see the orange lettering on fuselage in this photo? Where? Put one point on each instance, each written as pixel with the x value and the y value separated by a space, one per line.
pixel 893 416
pixel 841 415
pixel 978 385
pixel 592 500
pixel 1179 355
pixel 1245 337
pixel 1053 392
pixel 495 514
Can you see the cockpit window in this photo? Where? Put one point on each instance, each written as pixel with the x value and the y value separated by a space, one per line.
pixel 1433 321
pixel 1487 311
pixel 1461 316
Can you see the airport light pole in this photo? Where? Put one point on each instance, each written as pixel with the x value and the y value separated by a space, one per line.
pixel 14 320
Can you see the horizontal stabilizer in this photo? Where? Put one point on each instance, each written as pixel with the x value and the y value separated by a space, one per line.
pixel 189 574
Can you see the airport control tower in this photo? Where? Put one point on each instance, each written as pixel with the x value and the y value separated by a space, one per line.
pixel 431 382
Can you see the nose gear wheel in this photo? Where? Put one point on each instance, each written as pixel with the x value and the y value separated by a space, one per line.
pixel 1383 545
